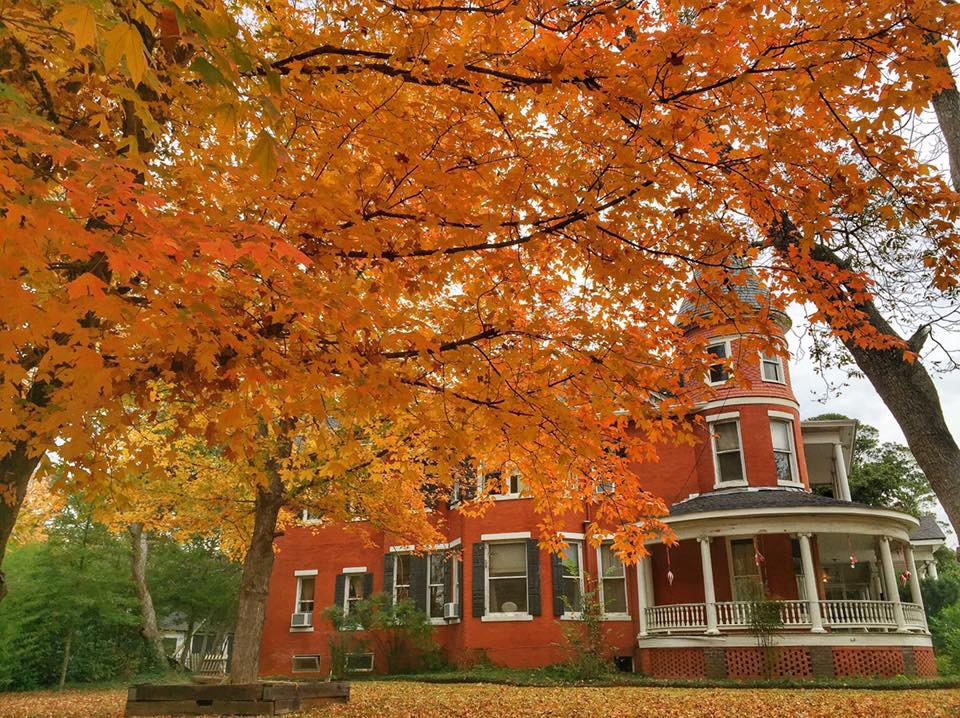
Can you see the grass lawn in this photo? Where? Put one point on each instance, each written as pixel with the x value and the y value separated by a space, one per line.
pixel 372 699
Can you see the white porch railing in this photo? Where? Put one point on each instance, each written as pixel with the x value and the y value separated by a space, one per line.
pixel 735 615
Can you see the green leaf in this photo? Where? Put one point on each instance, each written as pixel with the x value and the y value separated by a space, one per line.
pixel 264 155
pixel 208 72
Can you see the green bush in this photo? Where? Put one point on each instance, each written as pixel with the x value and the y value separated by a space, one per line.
pixel 585 639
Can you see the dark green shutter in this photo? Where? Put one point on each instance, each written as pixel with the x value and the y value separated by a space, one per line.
pixel 339 587
pixel 389 561
pixel 477 580
pixel 556 564
pixel 533 577
pixel 367 585
pixel 418 582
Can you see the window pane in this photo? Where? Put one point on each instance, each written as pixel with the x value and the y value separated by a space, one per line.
pixel 614 595
pixel 784 466
pixel 436 601
pixel 355 586
pixel 771 369
pixel 306 589
pixel 718 350
pixel 727 438
pixel 508 595
pixel 730 466
pixel 402 569
pixel 571 560
pixel 744 560
pixel 610 564
pixel 747 588
pixel 780 431
pixel 570 594
pixel 507 559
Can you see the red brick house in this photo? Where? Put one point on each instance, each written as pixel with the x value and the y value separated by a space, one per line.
pixel 749 526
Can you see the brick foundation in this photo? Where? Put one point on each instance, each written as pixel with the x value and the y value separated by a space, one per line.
pixel 788 662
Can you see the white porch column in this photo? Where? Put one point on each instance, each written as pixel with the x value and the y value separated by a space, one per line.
pixel 810 584
pixel 915 595
pixel 842 482
pixel 642 600
pixel 890 583
pixel 648 580
pixel 875 578
pixel 709 594
pixel 932 570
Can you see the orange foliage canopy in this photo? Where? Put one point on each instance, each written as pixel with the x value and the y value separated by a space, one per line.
pixel 358 241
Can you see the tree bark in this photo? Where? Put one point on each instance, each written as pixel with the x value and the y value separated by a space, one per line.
pixel 16 468
pixel 68 642
pixel 138 560
pixel 257 567
pixel 905 387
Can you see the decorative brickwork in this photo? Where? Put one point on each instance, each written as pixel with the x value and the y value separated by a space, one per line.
pixel 749 663
pixel 868 661
pixel 677 663
pixel 925 662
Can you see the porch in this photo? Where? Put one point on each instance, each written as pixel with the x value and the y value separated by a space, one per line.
pixel 828 566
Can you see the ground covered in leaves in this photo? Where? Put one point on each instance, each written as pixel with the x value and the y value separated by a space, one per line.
pixel 402 700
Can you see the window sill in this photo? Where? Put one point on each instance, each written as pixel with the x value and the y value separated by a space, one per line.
pixel 503 617
pixel 571 617
pixel 791 484
pixel 774 381
pixel 730 484
pixel 617 617
pixel 509 497
pixel 301 629
pixel 442 621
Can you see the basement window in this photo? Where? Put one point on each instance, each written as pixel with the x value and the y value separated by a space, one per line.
pixel 306 664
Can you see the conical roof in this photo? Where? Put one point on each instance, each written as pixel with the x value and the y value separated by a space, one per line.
pixel 743 280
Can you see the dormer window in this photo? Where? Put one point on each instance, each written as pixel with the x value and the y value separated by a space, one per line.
pixel 772 368
pixel 718 373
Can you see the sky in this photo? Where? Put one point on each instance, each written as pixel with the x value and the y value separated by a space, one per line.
pixel 858 399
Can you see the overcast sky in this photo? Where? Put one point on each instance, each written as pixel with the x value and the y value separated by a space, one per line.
pixel 858 399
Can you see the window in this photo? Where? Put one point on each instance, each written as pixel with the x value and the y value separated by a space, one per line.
pixel 728 461
pixel 308 516
pixel 613 581
pixel 507 577
pixel 440 569
pixel 571 582
pixel 359 662
pixel 306 664
pixel 771 368
pixel 305 587
pixel 401 577
pixel 355 590
pixel 747 582
pixel 718 372
pixel 783 455
pixel 514 485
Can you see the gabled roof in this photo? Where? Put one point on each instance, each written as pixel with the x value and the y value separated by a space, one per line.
pixel 928 530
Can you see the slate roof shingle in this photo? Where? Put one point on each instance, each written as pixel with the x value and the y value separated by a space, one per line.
pixel 762 499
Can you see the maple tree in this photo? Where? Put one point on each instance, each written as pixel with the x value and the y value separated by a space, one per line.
pixel 345 246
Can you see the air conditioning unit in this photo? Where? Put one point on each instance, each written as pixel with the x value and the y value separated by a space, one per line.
pixel 451 610
pixel 301 620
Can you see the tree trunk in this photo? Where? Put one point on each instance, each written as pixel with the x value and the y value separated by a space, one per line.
pixel 257 567
pixel 946 104
pixel 905 387
pixel 138 556
pixel 16 468
pixel 66 659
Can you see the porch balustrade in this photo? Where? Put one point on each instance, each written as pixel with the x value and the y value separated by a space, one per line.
pixel 735 615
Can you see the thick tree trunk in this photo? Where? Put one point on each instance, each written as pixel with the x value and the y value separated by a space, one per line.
pixel 946 104
pixel 257 567
pixel 138 556
pixel 905 387
pixel 16 468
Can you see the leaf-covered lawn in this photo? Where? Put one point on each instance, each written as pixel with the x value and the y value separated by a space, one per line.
pixel 421 700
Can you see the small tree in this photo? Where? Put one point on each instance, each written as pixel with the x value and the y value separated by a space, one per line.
pixel 586 639
pixel 398 630
pixel 765 622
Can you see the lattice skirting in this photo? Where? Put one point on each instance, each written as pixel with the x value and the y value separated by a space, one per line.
pixel 792 662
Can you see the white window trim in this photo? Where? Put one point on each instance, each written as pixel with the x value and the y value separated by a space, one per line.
pixel 575 615
pixel 394 587
pixel 454 586
pixel 355 569
pixel 510 536
pixel 723 416
pixel 572 536
pixel 732 576
pixel 509 496
pixel 360 670
pixel 346 588
pixel 296 602
pixel 489 615
pixel 794 465
pixel 783 373
pixel 780 415
pixel 305 572
pixel 728 350
pixel 717 482
pixel 613 615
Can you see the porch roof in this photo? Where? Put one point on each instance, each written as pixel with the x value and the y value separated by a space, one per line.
pixel 928 530
pixel 757 499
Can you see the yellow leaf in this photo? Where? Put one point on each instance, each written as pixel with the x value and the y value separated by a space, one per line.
pixel 78 20
pixel 264 154
pixel 123 41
